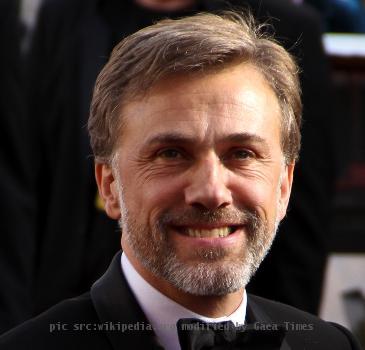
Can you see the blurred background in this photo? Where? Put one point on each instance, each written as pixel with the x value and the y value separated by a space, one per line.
pixel 55 237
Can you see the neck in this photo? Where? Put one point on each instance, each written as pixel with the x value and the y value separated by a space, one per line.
pixel 211 306
pixel 166 5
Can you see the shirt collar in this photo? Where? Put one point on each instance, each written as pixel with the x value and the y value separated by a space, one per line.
pixel 163 313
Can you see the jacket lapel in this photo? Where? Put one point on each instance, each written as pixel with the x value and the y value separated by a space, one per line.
pixel 255 313
pixel 116 305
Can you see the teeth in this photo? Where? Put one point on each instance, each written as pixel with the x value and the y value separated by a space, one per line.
pixel 216 232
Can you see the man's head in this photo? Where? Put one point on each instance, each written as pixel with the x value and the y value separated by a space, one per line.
pixel 195 130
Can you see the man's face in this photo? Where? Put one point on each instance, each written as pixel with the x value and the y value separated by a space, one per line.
pixel 200 179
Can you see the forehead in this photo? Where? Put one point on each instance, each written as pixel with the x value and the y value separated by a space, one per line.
pixel 236 99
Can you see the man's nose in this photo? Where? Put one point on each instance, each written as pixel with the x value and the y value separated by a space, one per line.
pixel 208 185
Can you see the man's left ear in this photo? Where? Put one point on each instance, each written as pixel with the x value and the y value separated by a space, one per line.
pixel 108 189
pixel 285 189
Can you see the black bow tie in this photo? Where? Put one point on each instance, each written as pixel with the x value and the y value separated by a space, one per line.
pixel 197 335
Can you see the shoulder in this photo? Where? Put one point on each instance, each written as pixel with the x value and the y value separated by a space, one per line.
pixel 305 331
pixel 71 324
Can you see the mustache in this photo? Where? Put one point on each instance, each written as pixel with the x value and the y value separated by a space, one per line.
pixel 198 216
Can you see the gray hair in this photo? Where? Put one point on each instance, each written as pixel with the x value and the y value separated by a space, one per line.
pixel 199 44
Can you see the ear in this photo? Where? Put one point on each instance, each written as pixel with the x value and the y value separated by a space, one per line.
pixel 285 189
pixel 108 189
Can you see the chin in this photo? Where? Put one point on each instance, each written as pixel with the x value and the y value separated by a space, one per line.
pixel 210 276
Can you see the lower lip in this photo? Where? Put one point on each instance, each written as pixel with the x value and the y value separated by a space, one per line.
pixel 211 242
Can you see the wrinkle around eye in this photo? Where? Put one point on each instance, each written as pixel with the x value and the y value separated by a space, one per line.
pixel 248 166
pixel 148 169
pixel 256 171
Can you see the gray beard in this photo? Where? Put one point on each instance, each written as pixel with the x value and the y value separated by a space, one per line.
pixel 215 273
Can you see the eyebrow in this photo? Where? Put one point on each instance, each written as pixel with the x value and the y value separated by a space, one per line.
pixel 179 138
pixel 244 137
pixel 169 138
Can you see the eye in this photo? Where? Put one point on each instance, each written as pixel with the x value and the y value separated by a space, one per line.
pixel 242 154
pixel 169 153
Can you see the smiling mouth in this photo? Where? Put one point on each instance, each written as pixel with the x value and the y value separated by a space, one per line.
pixel 217 232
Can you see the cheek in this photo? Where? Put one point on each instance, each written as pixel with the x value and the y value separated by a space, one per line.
pixel 258 195
pixel 152 198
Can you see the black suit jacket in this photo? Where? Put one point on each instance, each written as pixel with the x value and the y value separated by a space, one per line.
pixel 111 302
pixel 75 240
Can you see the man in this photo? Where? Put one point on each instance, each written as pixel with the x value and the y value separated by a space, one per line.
pixel 194 126
pixel 71 44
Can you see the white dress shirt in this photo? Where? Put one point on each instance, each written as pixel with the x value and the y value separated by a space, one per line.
pixel 163 313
